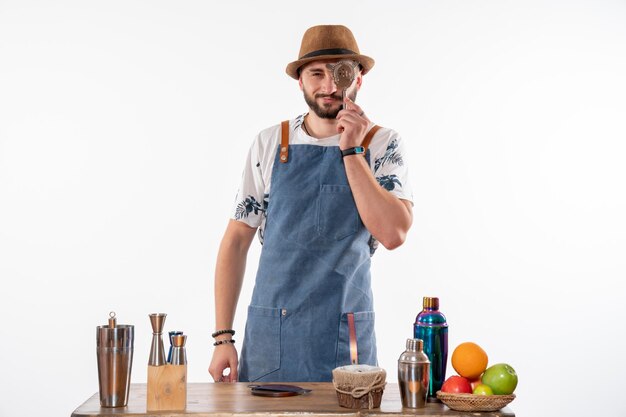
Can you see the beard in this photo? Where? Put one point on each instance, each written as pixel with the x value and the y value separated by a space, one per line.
pixel 327 111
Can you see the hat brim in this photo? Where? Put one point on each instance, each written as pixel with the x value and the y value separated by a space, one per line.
pixel 366 63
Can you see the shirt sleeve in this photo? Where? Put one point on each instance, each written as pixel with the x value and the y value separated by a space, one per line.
pixel 250 203
pixel 390 168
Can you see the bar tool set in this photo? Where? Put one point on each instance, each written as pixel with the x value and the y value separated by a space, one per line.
pixel 167 379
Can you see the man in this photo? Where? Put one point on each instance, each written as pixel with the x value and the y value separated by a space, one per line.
pixel 323 189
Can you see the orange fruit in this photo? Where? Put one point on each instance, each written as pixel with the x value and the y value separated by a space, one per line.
pixel 469 360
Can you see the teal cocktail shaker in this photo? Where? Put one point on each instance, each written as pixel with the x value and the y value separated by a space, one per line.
pixel 431 327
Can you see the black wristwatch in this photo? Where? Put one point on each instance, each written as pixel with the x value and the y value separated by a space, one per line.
pixel 352 151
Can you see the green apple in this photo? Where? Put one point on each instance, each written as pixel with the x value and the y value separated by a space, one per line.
pixel 482 389
pixel 501 378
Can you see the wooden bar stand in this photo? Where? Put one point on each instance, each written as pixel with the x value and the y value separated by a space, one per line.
pixel 167 388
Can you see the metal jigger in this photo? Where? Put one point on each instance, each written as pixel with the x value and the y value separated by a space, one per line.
pixel 179 356
pixel 169 353
pixel 157 352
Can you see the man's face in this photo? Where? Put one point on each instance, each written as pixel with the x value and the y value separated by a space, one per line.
pixel 320 91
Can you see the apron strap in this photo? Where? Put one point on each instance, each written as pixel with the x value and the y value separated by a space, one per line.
pixel 354 355
pixel 369 136
pixel 284 141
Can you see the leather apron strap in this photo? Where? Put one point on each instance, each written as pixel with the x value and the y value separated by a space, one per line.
pixel 368 137
pixel 354 352
pixel 284 141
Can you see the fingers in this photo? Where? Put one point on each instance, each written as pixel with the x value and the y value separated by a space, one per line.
pixel 224 378
pixel 351 108
pixel 216 373
pixel 224 359
pixel 352 114
pixel 234 376
pixel 352 124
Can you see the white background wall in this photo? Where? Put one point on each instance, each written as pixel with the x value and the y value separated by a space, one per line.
pixel 124 126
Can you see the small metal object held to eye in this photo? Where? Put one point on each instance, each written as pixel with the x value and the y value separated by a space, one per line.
pixel 344 73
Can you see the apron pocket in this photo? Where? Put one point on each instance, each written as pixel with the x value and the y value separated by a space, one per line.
pixel 365 339
pixel 338 217
pixel 261 354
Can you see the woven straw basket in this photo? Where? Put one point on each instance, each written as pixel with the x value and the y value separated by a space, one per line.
pixel 471 402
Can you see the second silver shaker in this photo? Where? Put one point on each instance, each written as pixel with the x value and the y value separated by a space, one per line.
pixel 413 374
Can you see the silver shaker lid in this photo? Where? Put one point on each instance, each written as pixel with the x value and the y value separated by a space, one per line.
pixel 414 352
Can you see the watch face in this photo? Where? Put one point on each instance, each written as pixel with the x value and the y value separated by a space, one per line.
pixel 356 150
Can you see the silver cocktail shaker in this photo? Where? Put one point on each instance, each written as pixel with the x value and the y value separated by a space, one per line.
pixel 413 374
pixel 115 361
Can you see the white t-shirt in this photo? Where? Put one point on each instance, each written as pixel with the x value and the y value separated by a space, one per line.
pixel 386 160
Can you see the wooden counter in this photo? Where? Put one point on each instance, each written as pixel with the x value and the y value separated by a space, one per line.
pixel 235 400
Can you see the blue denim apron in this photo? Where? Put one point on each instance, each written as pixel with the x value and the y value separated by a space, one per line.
pixel 314 270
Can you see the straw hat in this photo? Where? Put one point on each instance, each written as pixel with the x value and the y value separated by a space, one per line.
pixel 328 42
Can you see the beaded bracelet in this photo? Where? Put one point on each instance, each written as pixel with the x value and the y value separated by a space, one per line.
pixel 223 342
pixel 219 332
